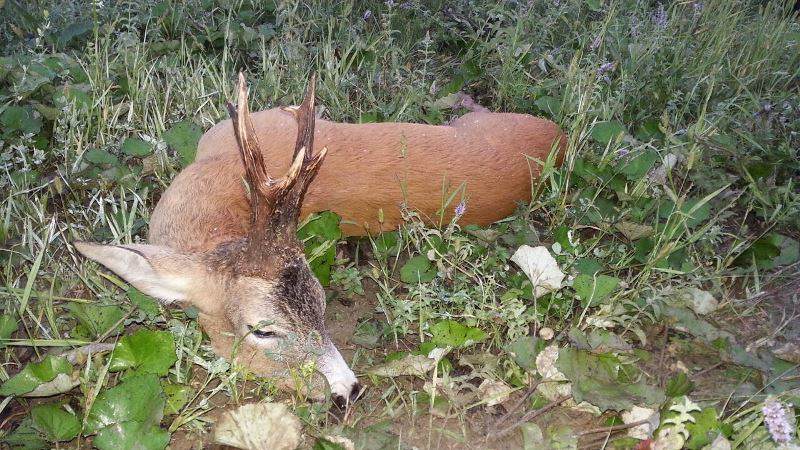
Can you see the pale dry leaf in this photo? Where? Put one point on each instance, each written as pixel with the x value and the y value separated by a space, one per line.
pixel 259 426
pixel 61 383
pixel 633 231
pixel 637 414
pixel 669 439
pixel 494 392
pixel 346 444
pixel 720 443
pixel 540 267
pixel 416 365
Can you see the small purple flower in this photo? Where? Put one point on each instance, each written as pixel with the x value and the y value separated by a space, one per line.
pixel 623 152
pixel 406 5
pixel 605 67
pixel 367 14
pixel 697 6
pixel 389 3
pixel 461 208
pixel 776 417
pixel 660 16
pixel 595 43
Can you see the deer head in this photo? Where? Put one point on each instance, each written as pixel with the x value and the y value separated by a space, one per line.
pixel 260 284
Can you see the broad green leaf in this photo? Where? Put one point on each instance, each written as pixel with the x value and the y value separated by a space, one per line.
pixel 763 251
pixel 324 225
pixel 144 302
pixel 178 395
pixel 790 251
pixel 387 243
pixel 136 147
pixel 8 325
pixel 608 131
pixel 637 167
pixel 524 350
pixel 319 235
pixel 131 436
pixel 183 138
pixel 594 289
pixel 146 351
pixel 95 320
pixel 588 266
pixel 703 430
pixel 452 333
pixel 56 423
pixel 25 437
pixel 98 156
pixel 548 104
pixel 22 119
pixel 136 399
pixel 35 374
pixel 594 379
pixel 417 270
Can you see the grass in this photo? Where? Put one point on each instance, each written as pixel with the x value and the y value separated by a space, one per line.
pixel 679 184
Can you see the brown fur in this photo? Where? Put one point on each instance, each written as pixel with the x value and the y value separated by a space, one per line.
pixel 369 167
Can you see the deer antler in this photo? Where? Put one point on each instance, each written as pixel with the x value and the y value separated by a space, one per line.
pixel 275 203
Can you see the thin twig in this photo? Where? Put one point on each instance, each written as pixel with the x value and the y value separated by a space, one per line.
pixel 517 406
pixel 530 415
pixel 613 429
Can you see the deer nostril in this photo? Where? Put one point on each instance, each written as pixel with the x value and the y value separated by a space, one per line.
pixel 339 401
pixel 355 391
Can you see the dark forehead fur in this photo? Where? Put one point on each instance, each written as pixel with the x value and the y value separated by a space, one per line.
pixel 297 293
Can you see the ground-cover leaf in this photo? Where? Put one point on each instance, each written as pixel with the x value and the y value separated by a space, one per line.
pixel 144 302
pixel 594 289
pixel 102 157
pixel 183 138
pixel 146 351
pixel 55 423
pixel 524 351
pixel 35 374
pixel 95 320
pixel 636 168
pixel 25 436
pixel 259 425
pixel 679 385
pixel 319 235
pixel 178 395
pixel 453 334
pixel 131 436
pixel 136 147
pixel 136 399
pixel 378 436
pixel 21 119
pixel 607 131
pixel 594 381
pixel 417 270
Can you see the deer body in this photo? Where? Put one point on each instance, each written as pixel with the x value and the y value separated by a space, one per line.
pixel 369 168
pixel 231 250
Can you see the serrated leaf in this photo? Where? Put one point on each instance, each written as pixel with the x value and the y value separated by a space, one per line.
pixel 146 351
pixel 55 423
pixel 35 374
pixel 594 289
pixel 183 138
pixel 136 399
pixel 136 147
pixel 417 270
pixel 131 436
pixel 453 334
pixel 607 131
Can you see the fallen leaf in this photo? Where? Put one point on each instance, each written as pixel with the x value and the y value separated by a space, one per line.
pixel 494 392
pixel 61 383
pixel 633 231
pixel 637 414
pixel 415 365
pixel 540 267
pixel 259 426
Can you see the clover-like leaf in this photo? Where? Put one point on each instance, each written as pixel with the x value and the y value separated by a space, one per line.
pixel 146 351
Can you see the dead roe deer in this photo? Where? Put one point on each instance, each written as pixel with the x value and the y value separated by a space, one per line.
pixel 230 248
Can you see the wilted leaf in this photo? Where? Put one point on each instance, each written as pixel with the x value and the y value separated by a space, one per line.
pixel 61 383
pixel 494 392
pixel 183 138
pixel 594 289
pixel 146 351
pixel 637 414
pixel 131 436
pixel 35 374
pixel 698 300
pixel 56 423
pixel 540 267
pixel 453 334
pixel 259 426
pixel 417 270
pixel 595 382
pixel 414 365
pixel 136 399
pixel 633 231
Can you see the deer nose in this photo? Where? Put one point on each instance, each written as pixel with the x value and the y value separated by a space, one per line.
pixel 341 402
pixel 343 382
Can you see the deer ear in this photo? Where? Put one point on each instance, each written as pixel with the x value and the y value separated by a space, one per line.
pixel 157 271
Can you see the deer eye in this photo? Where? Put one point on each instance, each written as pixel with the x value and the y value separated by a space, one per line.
pixel 263 334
